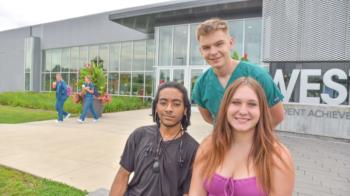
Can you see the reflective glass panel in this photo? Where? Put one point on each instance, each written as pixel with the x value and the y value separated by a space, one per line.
pixel 139 55
pixel 126 56
pixel 149 83
pixel 164 75
pixel 150 55
pixel 74 59
pixel 252 41
pixel 180 45
pixel 65 59
pixel 137 83
pixel 125 84
pixel 83 56
pixel 165 50
pixel 113 83
pixel 56 60
pixel 103 53
pixel 114 57
pixel 178 76
pixel 93 53
pixel 236 31
pixel 195 55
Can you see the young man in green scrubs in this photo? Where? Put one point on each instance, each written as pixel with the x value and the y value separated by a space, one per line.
pixel 215 46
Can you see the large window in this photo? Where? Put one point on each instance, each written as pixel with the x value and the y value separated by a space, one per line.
pixel 125 84
pixel 180 45
pixel 138 84
pixel 252 41
pixel 114 54
pixel 236 31
pixel 165 46
pixel 126 56
pixel 195 55
pixel 139 56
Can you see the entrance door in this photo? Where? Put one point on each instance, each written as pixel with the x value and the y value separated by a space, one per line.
pixel 171 74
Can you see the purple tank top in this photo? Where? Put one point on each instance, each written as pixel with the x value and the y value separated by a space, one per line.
pixel 222 186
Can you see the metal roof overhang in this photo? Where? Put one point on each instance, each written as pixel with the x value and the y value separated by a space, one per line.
pixel 145 18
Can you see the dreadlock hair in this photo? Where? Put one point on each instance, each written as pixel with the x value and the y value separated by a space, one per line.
pixel 185 121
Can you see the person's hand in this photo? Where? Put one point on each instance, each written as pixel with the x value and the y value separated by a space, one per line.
pixel 53 85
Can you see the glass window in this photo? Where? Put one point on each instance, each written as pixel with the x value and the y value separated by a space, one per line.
pixel 125 80
pixel 165 50
pixel 137 83
pixel 114 57
pixel 74 59
pixel 150 55
pixel 56 60
pixel 252 41
pixel 65 59
pixel 103 53
pixel 45 82
pixel 113 83
pixel 149 83
pixel 178 76
pixel 83 56
pixel 195 55
pixel 126 56
pixel 164 76
pixel 236 31
pixel 73 82
pixel 47 61
pixel 139 55
pixel 180 45
pixel 93 52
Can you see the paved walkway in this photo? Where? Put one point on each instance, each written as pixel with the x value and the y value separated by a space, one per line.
pixel 87 155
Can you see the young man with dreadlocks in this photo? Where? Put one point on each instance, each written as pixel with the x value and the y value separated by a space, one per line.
pixel 161 155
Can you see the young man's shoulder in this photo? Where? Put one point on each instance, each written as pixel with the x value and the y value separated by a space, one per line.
pixel 191 141
pixel 148 129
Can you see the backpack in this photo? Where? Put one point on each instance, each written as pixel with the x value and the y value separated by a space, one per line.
pixel 96 92
pixel 69 90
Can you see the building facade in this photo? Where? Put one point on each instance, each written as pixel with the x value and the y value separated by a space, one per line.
pixel 305 45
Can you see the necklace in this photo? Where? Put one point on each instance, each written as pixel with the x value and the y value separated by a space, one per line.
pixel 156 158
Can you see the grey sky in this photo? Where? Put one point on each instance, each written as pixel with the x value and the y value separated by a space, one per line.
pixel 19 13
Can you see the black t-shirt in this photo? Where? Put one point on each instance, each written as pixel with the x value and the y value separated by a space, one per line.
pixel 173 178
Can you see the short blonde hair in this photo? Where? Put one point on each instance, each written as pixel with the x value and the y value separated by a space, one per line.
pixel 210 26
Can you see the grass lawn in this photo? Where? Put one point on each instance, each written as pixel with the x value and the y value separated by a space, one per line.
pixel 14 182
pixel 11 115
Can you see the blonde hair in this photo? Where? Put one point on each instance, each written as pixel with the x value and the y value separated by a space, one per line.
pixel 210 26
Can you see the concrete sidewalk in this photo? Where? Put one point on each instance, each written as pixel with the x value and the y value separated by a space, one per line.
pixel 86 155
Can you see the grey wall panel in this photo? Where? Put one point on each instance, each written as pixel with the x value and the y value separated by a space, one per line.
pixel 12 59
pixel 310 30
pixel 83 31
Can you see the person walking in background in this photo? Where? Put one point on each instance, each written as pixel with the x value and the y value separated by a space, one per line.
pixel 88 89
pixel 160 155
pixel 215 46
pixel 61 96
pixel 243 155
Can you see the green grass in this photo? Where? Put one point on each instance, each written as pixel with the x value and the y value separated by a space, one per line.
pixel 46 101
pixel 11 115
pixel 14 182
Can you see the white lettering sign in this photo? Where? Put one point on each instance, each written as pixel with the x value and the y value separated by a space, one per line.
pixel 306 86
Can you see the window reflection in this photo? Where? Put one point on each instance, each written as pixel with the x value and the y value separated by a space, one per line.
pixel 180 45
pixel 125 85
pixel 165 50
pixel 137 84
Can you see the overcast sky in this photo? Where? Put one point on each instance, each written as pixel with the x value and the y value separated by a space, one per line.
pixel 19 13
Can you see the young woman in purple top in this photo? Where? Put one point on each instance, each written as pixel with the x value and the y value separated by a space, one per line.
pixel 243 157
